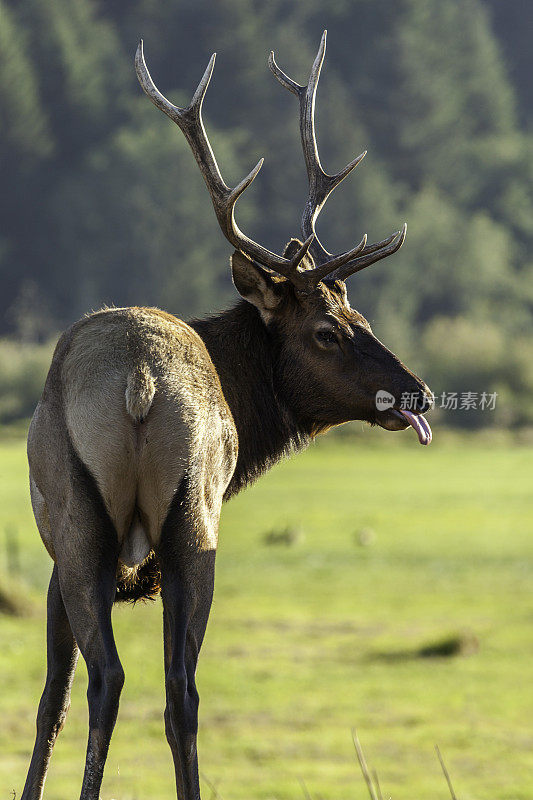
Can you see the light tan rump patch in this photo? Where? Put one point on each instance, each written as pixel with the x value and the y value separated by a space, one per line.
pixel 140 390
pixel 143 407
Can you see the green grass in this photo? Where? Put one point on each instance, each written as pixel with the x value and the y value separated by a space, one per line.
pixel 307 641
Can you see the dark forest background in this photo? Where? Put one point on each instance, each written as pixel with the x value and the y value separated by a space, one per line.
pixel 102 201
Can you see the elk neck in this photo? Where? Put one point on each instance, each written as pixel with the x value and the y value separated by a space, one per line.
pixel 244 352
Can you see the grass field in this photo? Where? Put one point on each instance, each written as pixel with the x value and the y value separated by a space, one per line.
pixel 309 640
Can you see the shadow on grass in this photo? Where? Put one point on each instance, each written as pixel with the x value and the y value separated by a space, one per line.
pixel 448 646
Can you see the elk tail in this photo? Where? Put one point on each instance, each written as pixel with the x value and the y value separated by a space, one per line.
pixel 140 391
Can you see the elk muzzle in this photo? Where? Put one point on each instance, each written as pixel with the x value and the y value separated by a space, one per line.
pixel 394 414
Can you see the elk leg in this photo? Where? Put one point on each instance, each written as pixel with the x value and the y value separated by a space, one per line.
pixel 87 549
pixel 169 730
pixel 187 577
pixel 185 625
pixel 88 604
pixel 62 656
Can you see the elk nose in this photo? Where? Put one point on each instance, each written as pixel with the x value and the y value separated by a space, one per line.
pixel 424 400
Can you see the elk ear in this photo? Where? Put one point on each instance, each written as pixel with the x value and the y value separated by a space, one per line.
pixel 255 285
pixel 291 248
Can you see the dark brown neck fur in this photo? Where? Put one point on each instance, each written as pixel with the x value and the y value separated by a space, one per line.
pixel 244 353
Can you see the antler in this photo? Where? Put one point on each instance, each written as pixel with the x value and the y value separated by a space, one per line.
pixel 189 120
pixel 224 198
pixel 321 185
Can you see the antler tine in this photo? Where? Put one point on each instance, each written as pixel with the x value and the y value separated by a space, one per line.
pixel 190 122
pixel 321 184
pixel 333 266
pixel 371 248
pixel 375 252
pixel 283 78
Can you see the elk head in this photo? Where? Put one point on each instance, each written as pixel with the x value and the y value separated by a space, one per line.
pixel 330 366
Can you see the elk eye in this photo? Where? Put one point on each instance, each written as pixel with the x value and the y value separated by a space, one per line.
pixel 326 337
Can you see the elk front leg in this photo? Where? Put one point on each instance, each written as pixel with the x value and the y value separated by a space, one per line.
pixel 187 577
pixel 62 657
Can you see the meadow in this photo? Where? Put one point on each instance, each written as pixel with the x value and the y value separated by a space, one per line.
pixel 399 603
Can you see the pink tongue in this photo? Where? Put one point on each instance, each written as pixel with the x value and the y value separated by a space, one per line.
pixel 420 424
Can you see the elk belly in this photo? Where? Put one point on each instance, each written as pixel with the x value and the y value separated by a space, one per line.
pixel 135 547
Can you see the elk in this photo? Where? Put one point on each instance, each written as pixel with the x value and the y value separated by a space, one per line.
pixel 147 424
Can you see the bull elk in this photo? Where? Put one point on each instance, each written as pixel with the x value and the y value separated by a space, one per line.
pixel 147 424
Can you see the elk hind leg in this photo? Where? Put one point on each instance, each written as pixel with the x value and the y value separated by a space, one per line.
pixel 87 562
pixel 187 577
pixel 62 656
pixel 89 609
